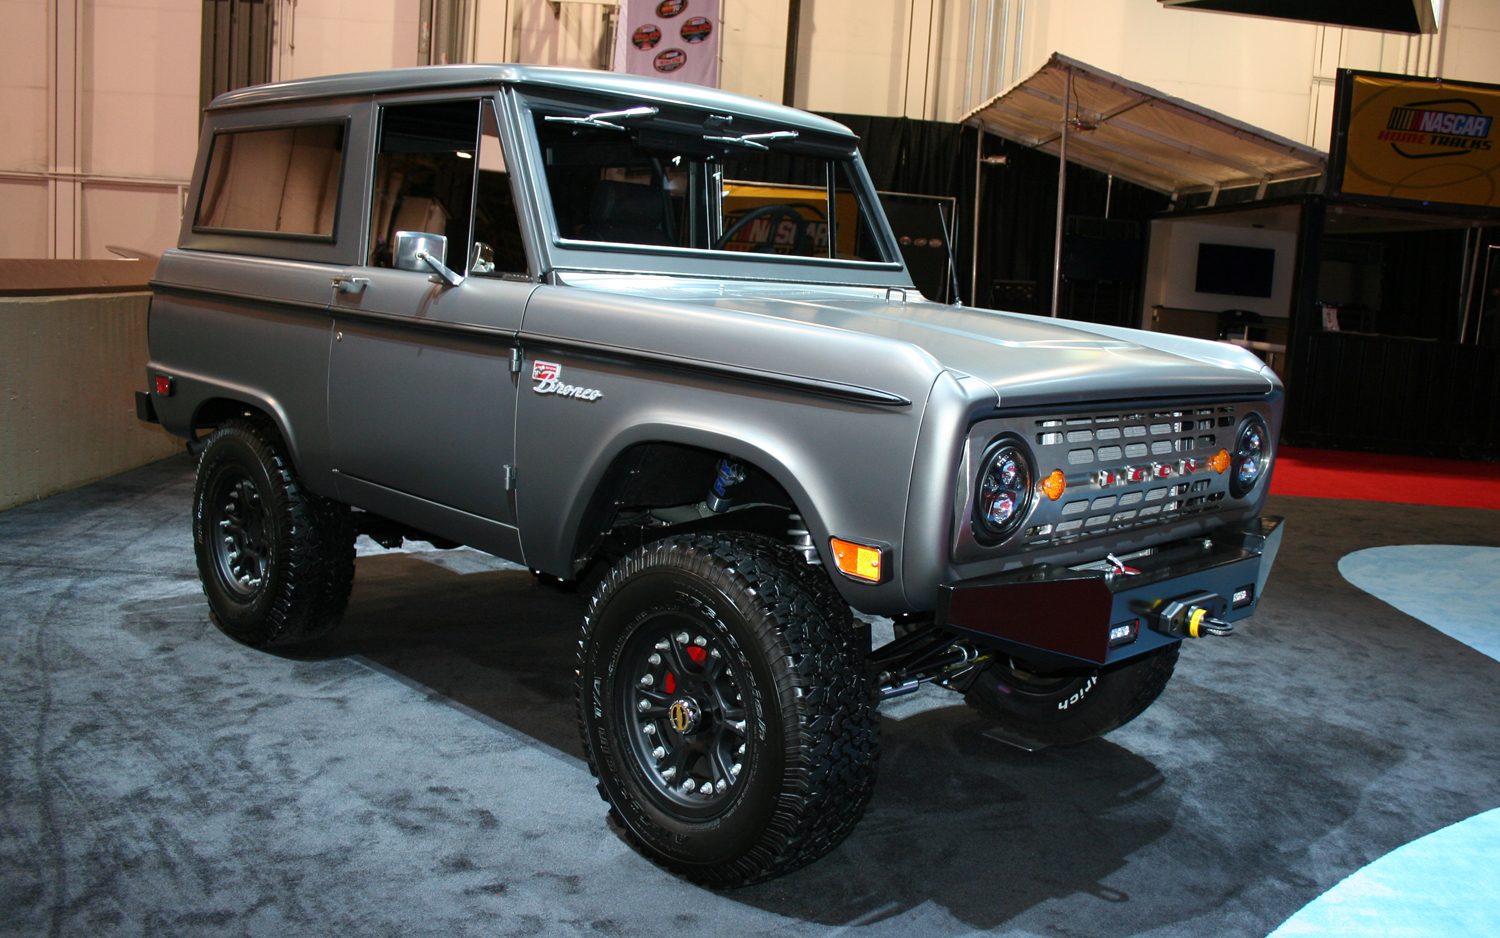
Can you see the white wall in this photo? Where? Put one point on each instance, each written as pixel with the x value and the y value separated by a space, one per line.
pixel 100 124
pixel 100 118
pixel 754 47
pixel 1174 266
pixel 330 37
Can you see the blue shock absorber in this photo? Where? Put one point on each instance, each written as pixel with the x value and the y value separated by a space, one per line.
pixel 730 472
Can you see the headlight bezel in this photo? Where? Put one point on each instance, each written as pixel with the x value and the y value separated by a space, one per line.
pixel 1024 492
pixel 1253 426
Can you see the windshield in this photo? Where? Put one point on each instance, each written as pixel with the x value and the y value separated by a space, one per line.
pixel 644 176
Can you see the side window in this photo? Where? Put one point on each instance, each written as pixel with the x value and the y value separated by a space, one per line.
pixel 283 180
pixel 424 177
pixel 498 249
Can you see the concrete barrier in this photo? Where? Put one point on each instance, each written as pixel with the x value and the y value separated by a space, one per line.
pixel 68 368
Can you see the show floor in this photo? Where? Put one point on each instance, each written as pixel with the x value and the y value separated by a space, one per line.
pixel 419 772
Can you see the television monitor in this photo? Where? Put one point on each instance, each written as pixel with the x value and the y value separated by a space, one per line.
pixel 1235 270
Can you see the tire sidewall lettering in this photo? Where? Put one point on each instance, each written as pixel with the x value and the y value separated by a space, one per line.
pixel 1079 694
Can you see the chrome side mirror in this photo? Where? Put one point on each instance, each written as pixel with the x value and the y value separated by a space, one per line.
pixel 421 251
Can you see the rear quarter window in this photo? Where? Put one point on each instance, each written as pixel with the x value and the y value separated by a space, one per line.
pixel 277 181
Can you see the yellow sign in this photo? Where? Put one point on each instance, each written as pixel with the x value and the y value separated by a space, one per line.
pixel 1423 141
pixel 793 222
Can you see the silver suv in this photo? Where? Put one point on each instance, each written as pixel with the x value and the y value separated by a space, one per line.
pixel 659 340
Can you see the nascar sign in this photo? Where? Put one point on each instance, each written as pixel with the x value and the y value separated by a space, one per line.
pixel 1416 139
pixel 677 39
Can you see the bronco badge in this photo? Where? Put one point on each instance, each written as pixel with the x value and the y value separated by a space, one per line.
pixel 547 378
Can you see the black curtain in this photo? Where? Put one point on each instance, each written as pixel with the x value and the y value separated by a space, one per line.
pixel 1018 211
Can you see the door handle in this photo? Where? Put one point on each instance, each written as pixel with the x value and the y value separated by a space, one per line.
pixel 351 284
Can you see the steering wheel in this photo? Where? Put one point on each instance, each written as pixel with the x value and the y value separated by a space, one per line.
pixel 779 212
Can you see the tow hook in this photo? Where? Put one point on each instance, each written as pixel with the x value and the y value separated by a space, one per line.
pixel 1190 616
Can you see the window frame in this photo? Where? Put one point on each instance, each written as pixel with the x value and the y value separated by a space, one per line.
pixel 344 125
pixel 574 254
pixel 493 95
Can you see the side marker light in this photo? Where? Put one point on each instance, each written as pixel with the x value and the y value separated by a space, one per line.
pixel 164 386
pixel 1219 462
pixel 1054 485
pixel 857 560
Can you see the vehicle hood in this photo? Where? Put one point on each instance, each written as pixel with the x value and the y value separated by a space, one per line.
pixel 1028 360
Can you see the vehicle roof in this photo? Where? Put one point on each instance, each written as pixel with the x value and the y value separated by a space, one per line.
pixel 435 77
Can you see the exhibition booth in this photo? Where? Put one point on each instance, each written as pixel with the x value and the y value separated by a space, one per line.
pixel 1366 277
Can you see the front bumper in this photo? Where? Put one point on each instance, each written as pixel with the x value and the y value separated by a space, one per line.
pixel 1062 616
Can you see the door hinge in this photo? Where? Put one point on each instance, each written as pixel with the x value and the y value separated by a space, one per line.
pixel 515 360
pixel 510 478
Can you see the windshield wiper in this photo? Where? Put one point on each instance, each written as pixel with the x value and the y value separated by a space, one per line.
pixel 603 118
pixel 753 140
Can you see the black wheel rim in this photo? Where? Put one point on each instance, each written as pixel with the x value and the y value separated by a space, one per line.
pixel 238 534
pixel 1017 677
pixel 682 706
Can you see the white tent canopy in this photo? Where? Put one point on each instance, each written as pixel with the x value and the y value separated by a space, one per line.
pixel 1140 134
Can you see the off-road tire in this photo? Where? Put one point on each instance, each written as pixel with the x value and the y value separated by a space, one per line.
pixel 812 727
pixel 1065 708
pixel 303 543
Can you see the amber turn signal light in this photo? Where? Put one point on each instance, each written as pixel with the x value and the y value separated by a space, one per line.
pixel 858 561
pixel 1054 485
pixel 1219 462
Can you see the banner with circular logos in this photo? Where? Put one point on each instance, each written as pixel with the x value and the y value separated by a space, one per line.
pixel 676 39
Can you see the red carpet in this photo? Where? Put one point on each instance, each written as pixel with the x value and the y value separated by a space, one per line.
pixel 1373 477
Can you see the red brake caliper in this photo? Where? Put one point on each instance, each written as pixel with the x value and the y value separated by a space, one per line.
pixel 670 684
pixel 697 654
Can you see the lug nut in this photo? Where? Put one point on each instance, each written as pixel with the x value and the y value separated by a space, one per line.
pixel 682 638
pixel 647 680
pixel 658 753
pixel 650 729
pixel 663 645
pixel 715 653
pixel 654 660
pixel 700 641
pixel 668 774
pixel 740 751
pixel 721 785
pixel 643 706
pixel 735 770
pixel 689 785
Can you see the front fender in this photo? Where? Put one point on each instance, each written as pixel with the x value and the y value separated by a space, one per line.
pixel 834 458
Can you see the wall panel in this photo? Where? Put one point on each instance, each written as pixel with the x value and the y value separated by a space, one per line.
pixel 69 366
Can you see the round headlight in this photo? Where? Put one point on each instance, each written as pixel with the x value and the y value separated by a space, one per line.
pixel 1251 457
pixel 1006 484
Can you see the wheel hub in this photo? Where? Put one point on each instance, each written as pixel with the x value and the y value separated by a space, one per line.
pixel 242 549
pixel 686 716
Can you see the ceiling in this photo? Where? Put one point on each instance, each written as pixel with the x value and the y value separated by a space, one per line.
pixel 1140 134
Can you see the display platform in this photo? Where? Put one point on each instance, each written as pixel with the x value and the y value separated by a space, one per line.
pixel 418 773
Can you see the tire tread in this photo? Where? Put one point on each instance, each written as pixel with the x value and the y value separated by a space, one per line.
pixel 834 738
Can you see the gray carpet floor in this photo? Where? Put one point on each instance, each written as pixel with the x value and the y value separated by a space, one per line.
pixel 418 772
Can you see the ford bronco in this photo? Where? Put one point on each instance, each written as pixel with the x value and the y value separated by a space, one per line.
pixel 658 340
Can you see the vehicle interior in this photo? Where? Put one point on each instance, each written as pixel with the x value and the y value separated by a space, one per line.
pixel 652 176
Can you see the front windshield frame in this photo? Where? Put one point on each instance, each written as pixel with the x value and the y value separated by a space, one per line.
pixel 579 254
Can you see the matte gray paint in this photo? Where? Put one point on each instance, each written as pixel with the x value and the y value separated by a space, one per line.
pixel 266 347
pixel 422 395
pixel 421 411
pixel 350 218
pixel 438 77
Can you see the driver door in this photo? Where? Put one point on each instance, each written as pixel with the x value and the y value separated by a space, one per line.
pixel 421 386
